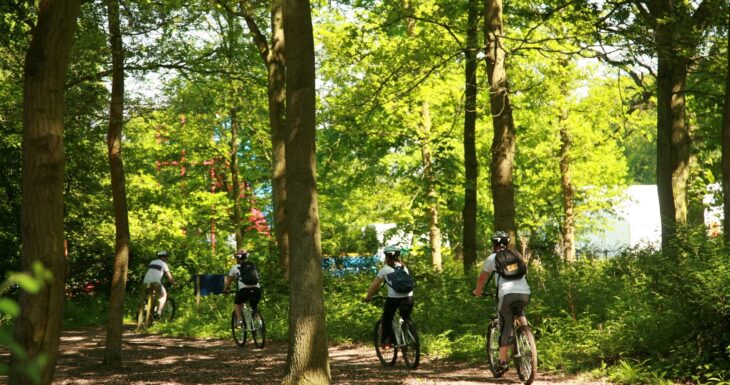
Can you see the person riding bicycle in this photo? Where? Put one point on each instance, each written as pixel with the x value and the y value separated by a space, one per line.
pixel 510 291
pixel 156 269
pixel 403 302
pixel 249 288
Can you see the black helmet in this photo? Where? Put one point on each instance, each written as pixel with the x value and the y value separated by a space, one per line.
pixel 500 238
pixel 163 254
pixel 241 254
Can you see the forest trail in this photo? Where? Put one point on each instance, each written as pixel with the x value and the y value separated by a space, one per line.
pixel 154 359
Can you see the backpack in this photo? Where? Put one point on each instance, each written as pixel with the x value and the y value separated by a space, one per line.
pixel 400 280
pixel 247 273
pixel 509 264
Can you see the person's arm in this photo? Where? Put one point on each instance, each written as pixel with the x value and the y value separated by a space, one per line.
pixel 226 283
pixel 374 287
pixel 483 276
pixel 169 277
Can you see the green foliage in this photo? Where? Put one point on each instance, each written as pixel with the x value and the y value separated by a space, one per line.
pixel 9 310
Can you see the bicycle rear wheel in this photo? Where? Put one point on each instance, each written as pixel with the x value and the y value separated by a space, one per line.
pixel 383 354
pixel 259 330
pixel 525 357
pixel 493 348
pixel 411 350
pixel 146 309
pixel 169 311
pixel 239 331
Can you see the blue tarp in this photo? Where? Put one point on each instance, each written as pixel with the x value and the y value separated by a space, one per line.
pixel 210 284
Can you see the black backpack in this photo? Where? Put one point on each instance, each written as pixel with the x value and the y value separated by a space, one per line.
pixel 509 264
pixel 400 280
pixel 247 273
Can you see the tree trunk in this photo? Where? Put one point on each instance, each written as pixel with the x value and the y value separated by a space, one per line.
pixel 567 189
pixel 113 352
pixel 672 135
pixel 503 144
pixel 307 358
pixel 236 186
pixel 471 165
pixel 277 100
pixel 273 57
pixel 434 233
pixel 38 327
pixel 726 151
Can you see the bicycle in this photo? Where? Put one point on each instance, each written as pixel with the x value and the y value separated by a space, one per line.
pixel 406 340
pixel 524 350
pixel 147 310
pixel 253 322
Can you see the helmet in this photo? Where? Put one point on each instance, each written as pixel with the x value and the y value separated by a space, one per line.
pixel 391 251
pixel 241 254
pixel 163 254
pixel 500 238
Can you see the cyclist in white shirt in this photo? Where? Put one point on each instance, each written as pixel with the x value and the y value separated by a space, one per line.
pixel 403 302
pixel 155 271
pixel 249 288
pixel 509 292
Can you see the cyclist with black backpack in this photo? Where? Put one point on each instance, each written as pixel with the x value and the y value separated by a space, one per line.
pixel 249 289
pixel 512 288
pixel 400 292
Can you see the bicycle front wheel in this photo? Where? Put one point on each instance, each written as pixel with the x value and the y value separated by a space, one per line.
pixel 259 330
pixel 169 311
pixel 383 354
pixel 525 356
pixel 411 350
pixel 493 348
pixel 239 331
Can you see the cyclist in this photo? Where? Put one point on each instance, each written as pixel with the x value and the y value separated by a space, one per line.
pixel 156 269
pixel 403 302
pixel 249 288
pixel 510 291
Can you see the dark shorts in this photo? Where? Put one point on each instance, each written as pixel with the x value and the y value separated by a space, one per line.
pixel 251 294
pixel 512 305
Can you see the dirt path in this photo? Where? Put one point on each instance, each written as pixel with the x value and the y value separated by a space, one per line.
pixel 152 359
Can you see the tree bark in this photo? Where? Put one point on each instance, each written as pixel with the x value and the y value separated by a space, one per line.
pixel 567 189
pixel 503 143
pixel 307 358
pixel 672 134
pixel 38 327
pixel 471 165
pixel 726 151
pixel 235 183
pixel 273 57
pixel 113 352
pixel 434 233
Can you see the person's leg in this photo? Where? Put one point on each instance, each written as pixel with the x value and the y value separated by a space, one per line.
pixel 391 305
pixel 405 307
pixel 254 297
pixel 163 298
pixel 237 302
pixel 506 320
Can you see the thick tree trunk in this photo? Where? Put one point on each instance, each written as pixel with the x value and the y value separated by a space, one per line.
pixel 726 151
pixel 672 135
pixel 307 358
pixel 434 233
pixel 567 189
pixel 471 165
pixel 277 100
pixel 236 186
pixel 113 352
pixel 503 144
pixel 38 327
pixel 273 57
